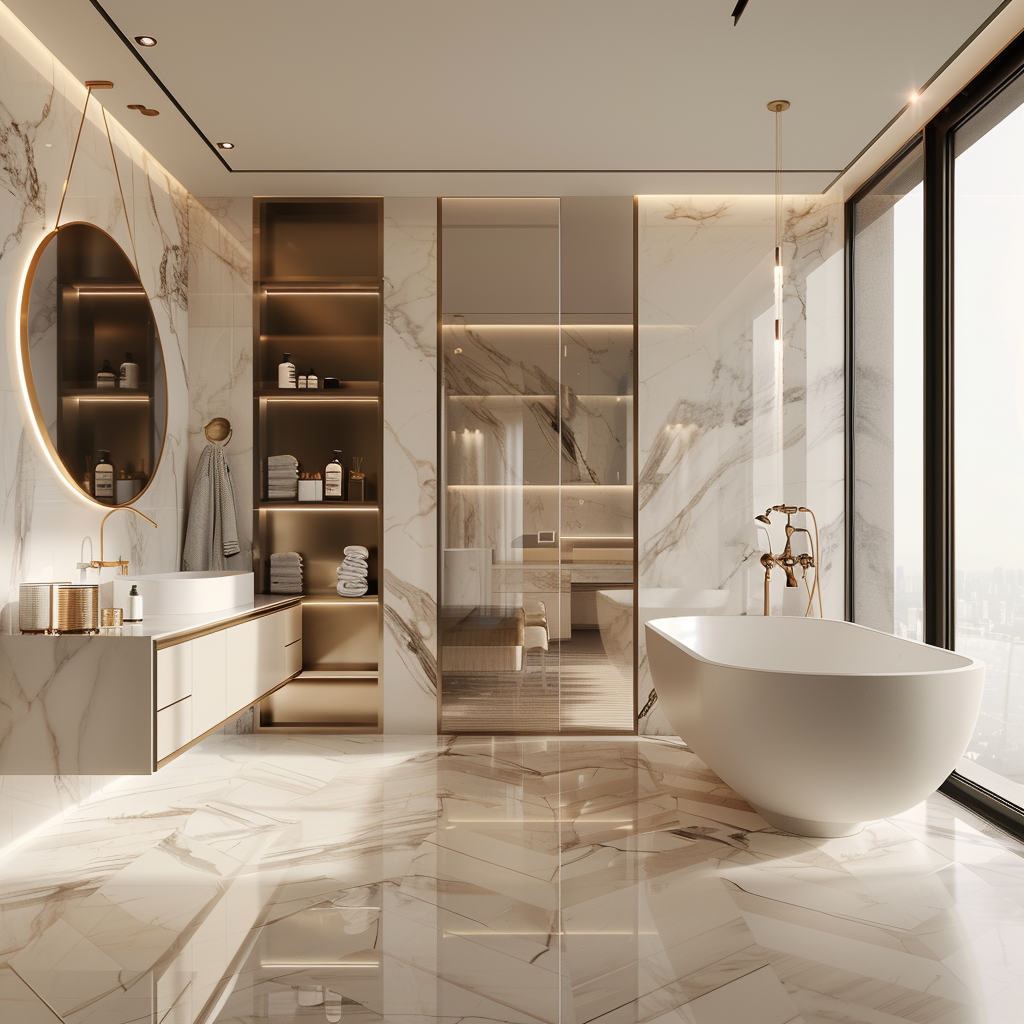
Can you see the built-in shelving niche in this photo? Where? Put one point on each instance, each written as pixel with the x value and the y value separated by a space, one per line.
pixel 319 270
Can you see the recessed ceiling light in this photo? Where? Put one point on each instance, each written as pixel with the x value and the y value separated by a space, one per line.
pixel 145 40
pixel 225 145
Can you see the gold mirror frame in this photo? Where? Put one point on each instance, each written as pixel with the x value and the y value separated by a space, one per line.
pixel 30 386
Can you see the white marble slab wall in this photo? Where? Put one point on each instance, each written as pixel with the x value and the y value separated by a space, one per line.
pixel 715 403
pixel 409 669
pixel 45 527
pixel 220 313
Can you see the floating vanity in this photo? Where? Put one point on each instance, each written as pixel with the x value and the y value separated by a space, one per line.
pixel 125 701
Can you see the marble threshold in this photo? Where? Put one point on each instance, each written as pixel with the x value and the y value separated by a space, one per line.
pixel 311 878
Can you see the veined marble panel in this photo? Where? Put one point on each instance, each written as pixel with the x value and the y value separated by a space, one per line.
pixel 268 878
pixel 410 466
pixel 50 690
pixel 728 424
pixel 220 344
pixel 45 527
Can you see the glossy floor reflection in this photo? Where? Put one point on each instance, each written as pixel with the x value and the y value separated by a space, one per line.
pixel 272 879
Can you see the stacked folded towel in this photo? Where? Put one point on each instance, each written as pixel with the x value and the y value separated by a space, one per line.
pixel 352 572
pixel 286 573
pixel 282 478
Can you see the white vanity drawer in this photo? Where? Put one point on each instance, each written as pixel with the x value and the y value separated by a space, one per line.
pixel 173 727
pixel 242 686
pixel 209 668
pixel 292 619
pixel 293 659
pixel 173 674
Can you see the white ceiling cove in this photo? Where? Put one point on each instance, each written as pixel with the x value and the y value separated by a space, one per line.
pixel 559 96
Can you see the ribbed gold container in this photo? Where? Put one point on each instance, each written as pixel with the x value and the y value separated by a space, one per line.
pixel 78 608
pixel 35 607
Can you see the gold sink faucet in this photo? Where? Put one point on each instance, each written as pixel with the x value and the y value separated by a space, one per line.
pixel 122 563
pixel 787 561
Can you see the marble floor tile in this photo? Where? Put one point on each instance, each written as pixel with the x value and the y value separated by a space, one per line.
pixel 270 878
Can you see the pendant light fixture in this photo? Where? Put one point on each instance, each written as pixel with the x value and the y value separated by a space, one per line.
pixel 777 107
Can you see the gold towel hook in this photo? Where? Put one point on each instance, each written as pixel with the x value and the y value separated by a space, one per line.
pixel 218 431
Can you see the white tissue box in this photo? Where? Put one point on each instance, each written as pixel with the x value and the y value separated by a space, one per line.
pixel 311 490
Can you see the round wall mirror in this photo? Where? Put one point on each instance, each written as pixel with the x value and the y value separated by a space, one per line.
pixel 93 364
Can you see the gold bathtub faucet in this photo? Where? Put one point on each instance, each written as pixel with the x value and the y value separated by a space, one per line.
pixel 787 561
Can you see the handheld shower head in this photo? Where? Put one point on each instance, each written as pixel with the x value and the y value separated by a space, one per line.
pixel 763 519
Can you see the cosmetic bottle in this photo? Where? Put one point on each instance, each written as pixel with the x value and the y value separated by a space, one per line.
pixel 103 479
pixel 105 378
pixel 134 613
pixel 302 382
pixel 357 480
pixel 286 372
pixel 87 478
pixel 129 372
pixel 311 381
pixel 334 479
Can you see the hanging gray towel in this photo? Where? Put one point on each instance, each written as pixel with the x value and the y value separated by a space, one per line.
pixel 212 534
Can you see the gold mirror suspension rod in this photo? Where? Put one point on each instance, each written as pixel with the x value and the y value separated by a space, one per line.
pixel 93 85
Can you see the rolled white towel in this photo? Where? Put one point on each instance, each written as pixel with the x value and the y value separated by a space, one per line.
pixel 353 563
pixel 349 591
pixel 357 549
pixel 357 580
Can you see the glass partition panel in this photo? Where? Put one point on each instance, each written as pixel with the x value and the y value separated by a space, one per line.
pixel 989 419
pixel 536 466
pixel 888 394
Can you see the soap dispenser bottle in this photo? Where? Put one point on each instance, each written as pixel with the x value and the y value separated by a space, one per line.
pixel 134 605
pixel 286 372
pixel 334 479
pixel 129 372
pixel 103 479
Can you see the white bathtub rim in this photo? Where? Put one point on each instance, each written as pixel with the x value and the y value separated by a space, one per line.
pixel 968 663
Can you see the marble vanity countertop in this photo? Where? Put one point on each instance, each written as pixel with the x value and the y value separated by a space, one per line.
pixel 166 629
pixel 579 572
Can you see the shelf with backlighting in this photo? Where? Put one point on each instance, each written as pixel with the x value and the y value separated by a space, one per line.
pixel 318 284
pixel 275 394
pixel 336 506
pixel 333 597
pixel 302 339
pixel 326 285
pixel 107 394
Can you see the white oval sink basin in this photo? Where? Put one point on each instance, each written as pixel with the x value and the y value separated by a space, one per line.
pixel 183 593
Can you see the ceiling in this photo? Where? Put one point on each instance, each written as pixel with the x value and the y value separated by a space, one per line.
pixel 542 96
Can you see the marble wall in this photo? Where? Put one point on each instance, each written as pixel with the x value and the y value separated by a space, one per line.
pixel 409 669
pixel 729 425
pixel 45 526
pixel 220 312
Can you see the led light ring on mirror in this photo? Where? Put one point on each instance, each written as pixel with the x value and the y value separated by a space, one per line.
pixel 29 386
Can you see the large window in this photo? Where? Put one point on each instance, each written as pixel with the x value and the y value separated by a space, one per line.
pixel 936 530
pixel 988 264
pixel 886 399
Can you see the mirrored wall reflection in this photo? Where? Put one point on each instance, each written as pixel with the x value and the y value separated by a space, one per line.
pixel 537 378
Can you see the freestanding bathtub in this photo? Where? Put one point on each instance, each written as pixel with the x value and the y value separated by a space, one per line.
pixel 819 725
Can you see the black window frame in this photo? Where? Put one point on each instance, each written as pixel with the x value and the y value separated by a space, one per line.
pixel 938 137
